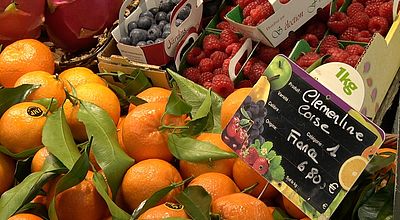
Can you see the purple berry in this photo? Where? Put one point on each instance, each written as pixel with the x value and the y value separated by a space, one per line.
pixel 145 22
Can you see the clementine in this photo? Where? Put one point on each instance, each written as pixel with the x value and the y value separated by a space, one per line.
pixel 145 178
pixel 24 56
pixel 166 210
pixel 7 168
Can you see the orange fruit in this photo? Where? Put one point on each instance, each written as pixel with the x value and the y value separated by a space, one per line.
pixel 50 86
pixel 119 132
pixel 245 176
pixel 291 209
pixel 231 104
pixel 38 159
pixel 80 75
pixel 141 134
pixel 216 184
pixel 145 178
pixel 241 206
pixel 25 216
pixel 152 94
pixel 40 199
pixel 21 126
pixel 94 93
pixel 24 56
pixel 82 201
pixel 223 166
pixel 166 210
pixel 7 168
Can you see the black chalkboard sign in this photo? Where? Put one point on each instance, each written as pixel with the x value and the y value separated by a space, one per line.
pixel 305 140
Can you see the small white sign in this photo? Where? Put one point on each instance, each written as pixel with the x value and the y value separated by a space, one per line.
pixel 343 80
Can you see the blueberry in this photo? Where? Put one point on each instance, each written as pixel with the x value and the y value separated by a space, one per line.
pixel 145 22
pixel 141 43
pixel 132 25
pixel 161 24
pixel 138 35
pixel 146 13
pixel 158 40
pixel 167 27
pixel 166 6
pixel 149 42
pixel 154 10
pixel 166 33
pixel 169 16
pixel 175 2
pixel 160 16
pixel 154 26
pixel 153 33
pixel 184 13
pixel 125 40
pixel 178 22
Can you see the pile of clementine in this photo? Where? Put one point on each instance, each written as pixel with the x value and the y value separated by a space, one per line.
pixel 139 135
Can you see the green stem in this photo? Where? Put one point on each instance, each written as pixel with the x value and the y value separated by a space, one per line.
pixel 250 188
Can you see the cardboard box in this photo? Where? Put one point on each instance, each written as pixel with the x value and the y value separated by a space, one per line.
pixel 378 66
pixel 163 52
pixel 275 29
pixel 110 60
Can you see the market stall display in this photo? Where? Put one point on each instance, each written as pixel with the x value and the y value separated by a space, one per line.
pixel 183 109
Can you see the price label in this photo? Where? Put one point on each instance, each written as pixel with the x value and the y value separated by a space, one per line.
pixel 313 144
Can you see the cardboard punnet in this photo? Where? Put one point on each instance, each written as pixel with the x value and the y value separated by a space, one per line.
pixel 109 60
pixel 275 29
pixel 378 65
pixel 163 52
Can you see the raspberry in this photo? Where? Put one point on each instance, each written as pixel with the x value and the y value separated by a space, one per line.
pixel 205 77
pixel 206 65
pixel 194 56
pixel 225 11
pixel 225 67
pixel 328 42
pixel 211 43
pixel 363 36
pixel 352 60
pixel 372 9
pixel 232 49
pixel 225 25
pixel 248 65
pixel 249 21
pixel 353 8
pixel 228 37
pixel 311 39
pixel 248 8
pixel 243 3
pixel 355 49
pixel 337 55
pixel 307 59
pixel 359 21
pixel 378 24
pixel 349 34
pixel 375 2
pixel 385 10
pixel 338 22
pixel 192 73
pixel 208 85
pixel 361 1
pixel 222 85
pixel 219 71
pixel 257 70
pixel 262 11
pixel 218 58
pixel 266 54
pixel 316 28
pixel 244 84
